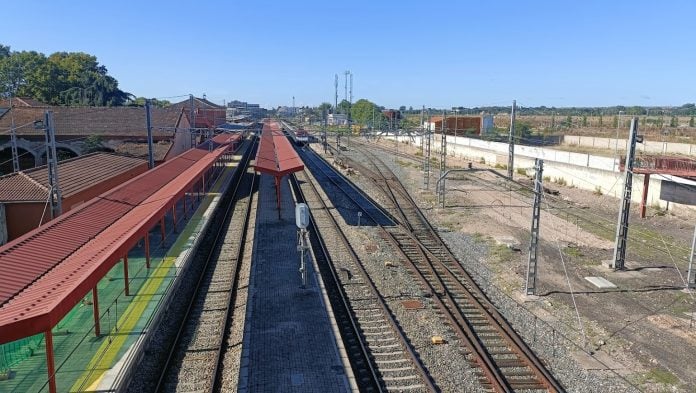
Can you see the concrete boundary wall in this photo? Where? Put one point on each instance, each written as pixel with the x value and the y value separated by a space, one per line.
pixel 655 147
pixel 584 171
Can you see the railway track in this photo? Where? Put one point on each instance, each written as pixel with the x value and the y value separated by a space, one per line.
pixel 380 354
pixel 195 359
pixel 505 363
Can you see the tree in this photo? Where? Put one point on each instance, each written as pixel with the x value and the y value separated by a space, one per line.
pixel 674 122
pixel 154 102
pixel 363 110
pixel 601 121
pixel 62 78
pixel 402 108
pixel 615 122
pixel 324 107
pixel 523 130
pixel 344 106
pixel 584 121
pixel 92 143
pixel 691 122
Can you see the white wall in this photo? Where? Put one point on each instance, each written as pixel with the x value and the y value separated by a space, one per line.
pixel 579 170
pixel 647 147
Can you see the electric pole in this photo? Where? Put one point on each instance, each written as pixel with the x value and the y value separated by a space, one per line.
pixel 345 84
pixel 54 196
pixel 691 274
pixel 192 118
pixel 443 159
pixel 13 140
pixel 511 140
pixel 335 94
pixel 530 287
pixel 350 91
pixel 625 207
pixel 426 155
pixel 422 124
pixel 150 152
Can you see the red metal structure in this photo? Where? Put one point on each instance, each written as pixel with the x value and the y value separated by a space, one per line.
pixel 47 271
pixel 665 165
pixel 276 156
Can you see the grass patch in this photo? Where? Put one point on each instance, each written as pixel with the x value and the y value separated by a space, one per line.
pixel 500 166
pixel 522 171
pixel 406 164
pixel 478 237
pixel 572 251
pixel 560 181
pixel 660 375
pixel 502 253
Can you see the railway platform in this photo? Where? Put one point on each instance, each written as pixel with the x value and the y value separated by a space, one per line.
pixel 290 344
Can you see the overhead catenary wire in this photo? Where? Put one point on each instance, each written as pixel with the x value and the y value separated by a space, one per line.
pixel 582 218
pixel 567 277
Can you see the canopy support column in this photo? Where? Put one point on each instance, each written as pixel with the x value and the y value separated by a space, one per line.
pixel 50 364
pixel 95 307
pixel 277 186
pixel 174 217
pixel 162 228
pixel 147 249
pixel 125 275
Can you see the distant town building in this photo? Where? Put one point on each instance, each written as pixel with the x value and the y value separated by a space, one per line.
pixel 207 114
pixel 462 125
pixel 337 119
pixel 241 108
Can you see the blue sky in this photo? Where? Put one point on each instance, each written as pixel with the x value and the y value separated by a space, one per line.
pixel 413 53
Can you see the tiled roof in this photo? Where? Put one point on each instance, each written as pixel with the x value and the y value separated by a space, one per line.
pixel 18 186
pixel 22 101
pixel 105 121
pixel 135 149
pixel 74 175
pixel 198 103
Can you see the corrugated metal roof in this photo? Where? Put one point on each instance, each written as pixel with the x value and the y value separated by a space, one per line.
pixel 275 154
pixel 47 271
pixel 75 175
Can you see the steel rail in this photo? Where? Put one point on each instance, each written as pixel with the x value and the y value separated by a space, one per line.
pixel 218 238
pixel 477 295
pixel 403 341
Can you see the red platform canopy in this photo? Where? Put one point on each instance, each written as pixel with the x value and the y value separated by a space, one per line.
pixel 46 272
pixel 275 155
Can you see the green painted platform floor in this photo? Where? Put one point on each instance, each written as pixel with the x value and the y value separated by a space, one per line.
pixel 82 359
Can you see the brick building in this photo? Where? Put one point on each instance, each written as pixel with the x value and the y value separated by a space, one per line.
pixel 24 194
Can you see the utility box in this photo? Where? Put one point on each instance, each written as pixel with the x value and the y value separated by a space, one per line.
pixel 302 215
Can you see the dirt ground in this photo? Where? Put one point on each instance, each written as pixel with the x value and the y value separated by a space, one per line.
pixel 643 329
